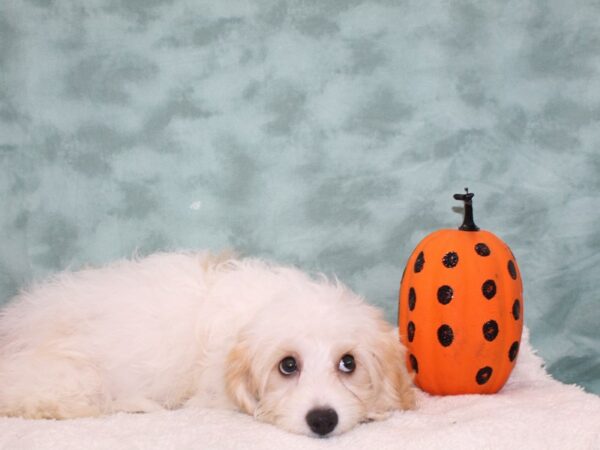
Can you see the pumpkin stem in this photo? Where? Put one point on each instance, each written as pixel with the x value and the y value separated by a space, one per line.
pixel 468 224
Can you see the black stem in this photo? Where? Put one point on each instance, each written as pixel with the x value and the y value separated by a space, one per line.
pixel 468 223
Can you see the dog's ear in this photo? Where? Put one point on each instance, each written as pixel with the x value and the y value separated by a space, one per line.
pixel 239 380
pixel 390 377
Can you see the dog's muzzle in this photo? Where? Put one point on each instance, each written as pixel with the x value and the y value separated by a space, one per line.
pixel 322 421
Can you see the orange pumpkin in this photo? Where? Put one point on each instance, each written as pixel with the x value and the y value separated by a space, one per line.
pixel 461 310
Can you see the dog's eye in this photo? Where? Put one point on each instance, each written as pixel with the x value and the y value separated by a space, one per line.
pixel 288 365
pixel 347 364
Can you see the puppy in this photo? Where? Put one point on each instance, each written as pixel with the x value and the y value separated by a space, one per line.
pixel 191 329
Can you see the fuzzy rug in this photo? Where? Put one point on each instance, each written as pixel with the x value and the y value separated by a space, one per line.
pixel 533 411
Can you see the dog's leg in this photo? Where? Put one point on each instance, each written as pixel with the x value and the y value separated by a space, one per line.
pixel 42 385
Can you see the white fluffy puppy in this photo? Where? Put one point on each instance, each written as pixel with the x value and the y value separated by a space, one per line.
pixel 191 329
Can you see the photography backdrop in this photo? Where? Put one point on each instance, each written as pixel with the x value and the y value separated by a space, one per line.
pixel 326 134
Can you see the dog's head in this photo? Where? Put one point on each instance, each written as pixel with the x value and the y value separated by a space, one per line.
pixel 318 360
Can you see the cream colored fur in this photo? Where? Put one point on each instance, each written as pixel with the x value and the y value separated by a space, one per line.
pixel 193 329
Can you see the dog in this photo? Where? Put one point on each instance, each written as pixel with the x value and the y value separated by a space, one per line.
pixel 190 329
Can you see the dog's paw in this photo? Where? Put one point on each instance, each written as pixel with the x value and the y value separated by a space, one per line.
pixel 378 415
pixel 136 406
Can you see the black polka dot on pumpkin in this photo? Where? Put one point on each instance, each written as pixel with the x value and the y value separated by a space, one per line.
pixel 490 330
pixel 482 249
pixel 450 260
pixel 483 375
pixel 412 298
pixel 414 363
pixel 516 309
pixel 489 289
pixel 513 351
pixel 410 331
pixel 512 270
pixel 445 335
pixel 419 262
pixel 445 294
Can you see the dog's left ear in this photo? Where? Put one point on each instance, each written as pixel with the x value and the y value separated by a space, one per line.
pixel 239 380
pixel 390 378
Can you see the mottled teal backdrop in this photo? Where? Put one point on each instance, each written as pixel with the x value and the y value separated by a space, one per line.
pixel 328 134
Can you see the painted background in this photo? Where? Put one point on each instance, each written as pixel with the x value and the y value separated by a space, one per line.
pixel 327 134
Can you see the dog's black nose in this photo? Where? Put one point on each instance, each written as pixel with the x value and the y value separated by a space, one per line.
pixel 322 420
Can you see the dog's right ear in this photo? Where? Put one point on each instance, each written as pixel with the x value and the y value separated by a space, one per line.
pixel 239 380
pixel 389 374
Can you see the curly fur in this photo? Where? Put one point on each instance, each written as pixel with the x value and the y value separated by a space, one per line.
pixel 195 329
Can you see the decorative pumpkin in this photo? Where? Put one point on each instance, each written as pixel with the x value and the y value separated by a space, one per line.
pixel 461 310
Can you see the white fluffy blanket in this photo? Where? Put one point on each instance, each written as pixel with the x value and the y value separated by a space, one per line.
pixel 533 411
